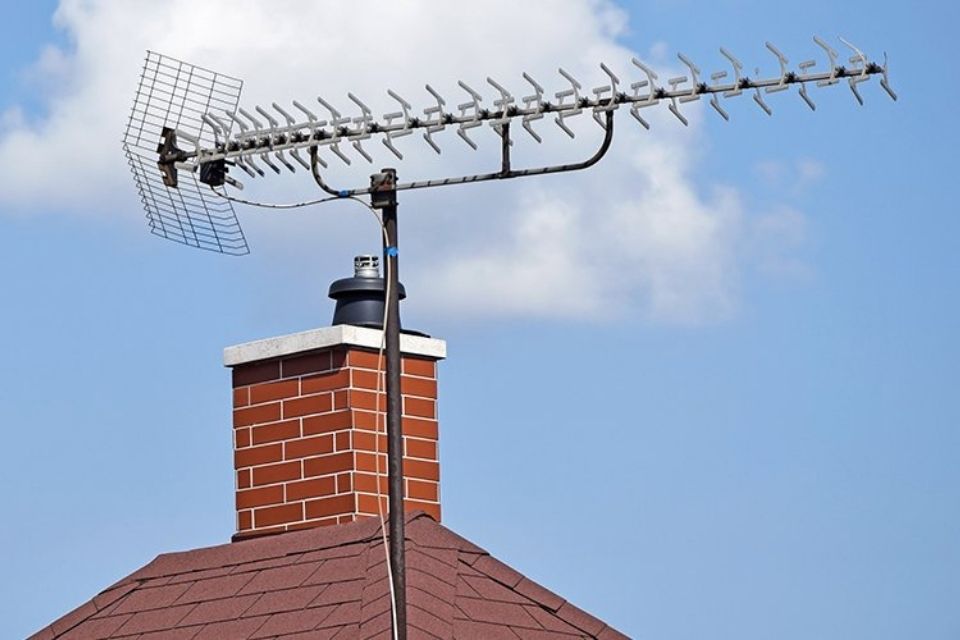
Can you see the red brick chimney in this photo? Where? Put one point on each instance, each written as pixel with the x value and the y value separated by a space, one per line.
pixel 305 429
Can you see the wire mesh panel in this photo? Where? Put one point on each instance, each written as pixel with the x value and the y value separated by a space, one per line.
pixel 176 95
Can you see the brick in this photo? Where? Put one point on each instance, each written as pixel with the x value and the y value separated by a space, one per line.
pixel 305 406
pixel 367 420
pixel 254 456
pixel 420 387
pixel 313 488
pixel 260 497
pixel 341 399
pixel 368 462
pixel 274 391
pixel 419 367
pixel 326 382
pixel 420 448
pixel 363 379
pixel 244 480
pixel 419 407
pixel 328 422
pixel 367 400
pixel 420 490
pixel 367 482
pixel 363 359
pixel 327 465
pixel 307 363
pixel 334 505
pixel 281 514
pixel 274 473
pixel 368 441
pixel 420 428
pixel 305 447
pixel 241 438
pixel 311 524
pixel 342 441
pixel 368 504
pixel 255 373
pixel 276 431
pixel 344 483
pixel 256 415
pixel 244 520
pixel 241 397
pixel 421 469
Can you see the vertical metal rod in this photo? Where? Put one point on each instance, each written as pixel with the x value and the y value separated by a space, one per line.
pixel 505 148
pixel 384 197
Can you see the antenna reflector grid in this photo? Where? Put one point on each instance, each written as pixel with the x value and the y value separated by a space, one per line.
pixel 168 108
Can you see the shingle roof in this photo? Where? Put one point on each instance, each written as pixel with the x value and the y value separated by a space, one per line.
pixel 328 583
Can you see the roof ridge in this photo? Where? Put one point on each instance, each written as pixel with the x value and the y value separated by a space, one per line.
pixel 332 579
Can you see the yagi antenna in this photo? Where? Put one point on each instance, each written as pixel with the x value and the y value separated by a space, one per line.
pixel 206 136
pixel 187 129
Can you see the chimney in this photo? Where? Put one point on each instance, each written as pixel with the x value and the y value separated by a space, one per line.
pixel 304 418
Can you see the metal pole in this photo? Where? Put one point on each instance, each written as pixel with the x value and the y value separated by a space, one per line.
pixel 505 149
pixel 384 197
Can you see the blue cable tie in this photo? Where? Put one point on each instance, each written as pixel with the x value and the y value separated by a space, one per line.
pixel 343 193
pixel 392 252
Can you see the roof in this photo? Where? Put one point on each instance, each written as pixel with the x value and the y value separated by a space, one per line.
pixel 327 583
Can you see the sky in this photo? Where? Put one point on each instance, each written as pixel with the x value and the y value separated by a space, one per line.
pixel 706 389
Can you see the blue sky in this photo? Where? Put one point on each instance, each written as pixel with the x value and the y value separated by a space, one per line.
pixel 773 455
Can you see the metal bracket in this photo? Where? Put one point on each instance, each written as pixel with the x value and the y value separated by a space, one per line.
pixel 504 174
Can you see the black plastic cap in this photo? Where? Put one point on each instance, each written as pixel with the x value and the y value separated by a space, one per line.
pixel 360 301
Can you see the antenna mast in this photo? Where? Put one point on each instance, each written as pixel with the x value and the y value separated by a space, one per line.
pixel 186 129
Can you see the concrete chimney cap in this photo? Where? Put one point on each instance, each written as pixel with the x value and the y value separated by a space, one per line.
pixel 326 337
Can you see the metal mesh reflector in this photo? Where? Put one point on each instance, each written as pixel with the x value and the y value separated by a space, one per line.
pixel 176 94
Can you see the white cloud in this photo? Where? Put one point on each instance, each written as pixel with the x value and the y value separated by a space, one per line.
pixel 640 239
pixel 633 235
pixel 11 119
pixel 795 177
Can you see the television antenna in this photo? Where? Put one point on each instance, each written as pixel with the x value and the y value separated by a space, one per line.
pixel 186 130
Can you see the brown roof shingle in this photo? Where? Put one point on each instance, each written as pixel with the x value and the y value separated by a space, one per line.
pixel 327 584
